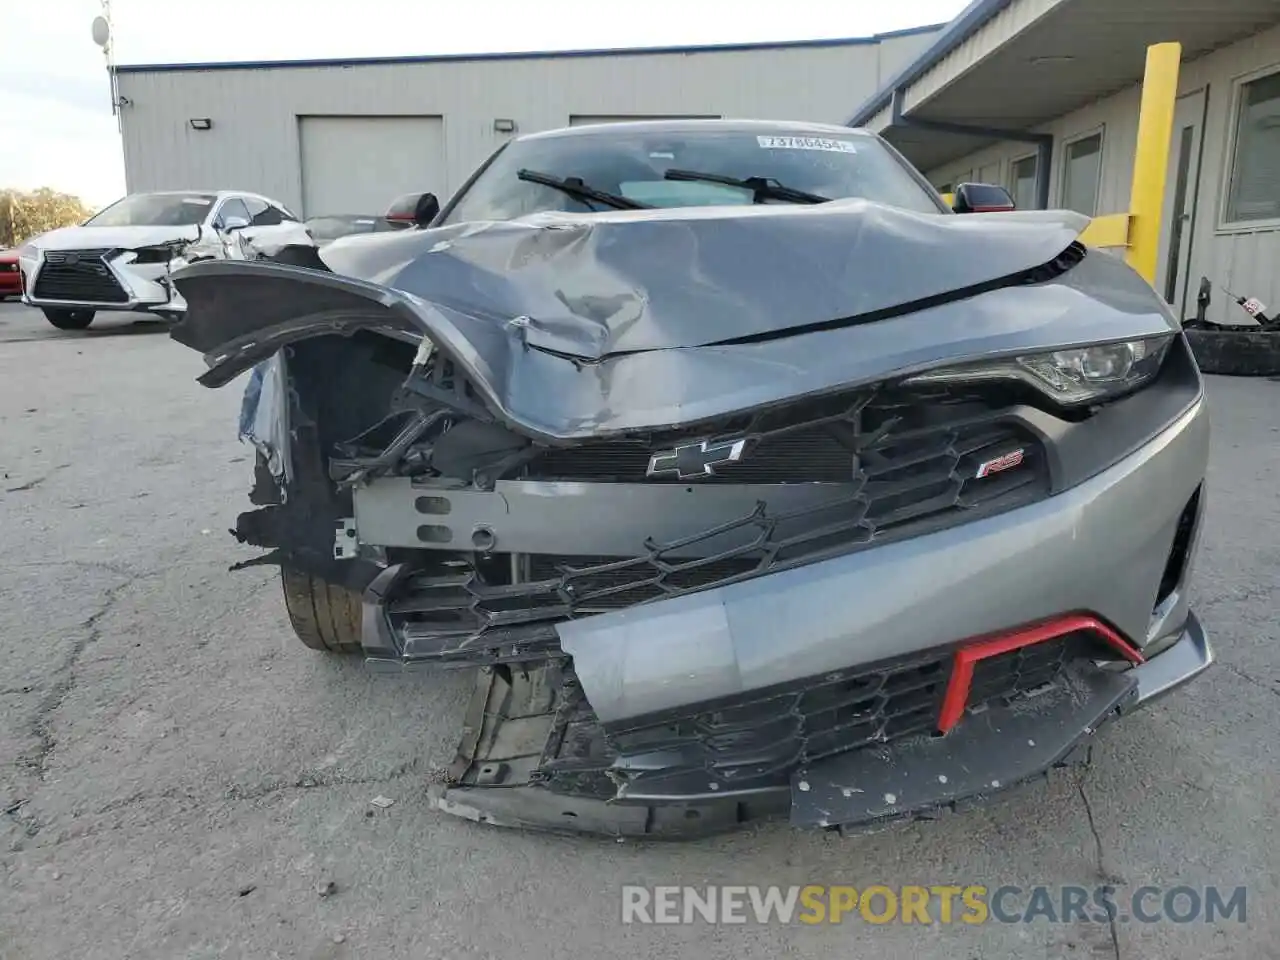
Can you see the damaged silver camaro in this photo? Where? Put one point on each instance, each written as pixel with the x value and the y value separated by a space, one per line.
pixel 752 479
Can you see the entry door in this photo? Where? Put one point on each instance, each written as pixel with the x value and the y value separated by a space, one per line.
pixel 1181 190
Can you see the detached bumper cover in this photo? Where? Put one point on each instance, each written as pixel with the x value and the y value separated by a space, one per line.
pixel 993 750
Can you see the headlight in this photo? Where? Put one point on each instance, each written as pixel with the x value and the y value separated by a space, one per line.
pixel 1081 375
pixel 160 253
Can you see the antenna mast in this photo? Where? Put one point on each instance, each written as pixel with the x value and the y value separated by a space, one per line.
pixel 102 36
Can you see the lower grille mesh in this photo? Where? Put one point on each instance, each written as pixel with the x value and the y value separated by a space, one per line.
pixel 753 740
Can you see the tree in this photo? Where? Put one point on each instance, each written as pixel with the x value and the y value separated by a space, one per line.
pixel 25 214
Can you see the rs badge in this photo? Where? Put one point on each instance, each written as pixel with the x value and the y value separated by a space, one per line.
pixel 1006 462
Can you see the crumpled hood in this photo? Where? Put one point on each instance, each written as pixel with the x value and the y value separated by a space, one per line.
pixel 90 238
pixel 630 281
pixel 944 290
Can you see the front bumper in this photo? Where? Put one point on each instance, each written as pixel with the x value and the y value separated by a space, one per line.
pixel 919 778
pixel 679 691
pixel 141 287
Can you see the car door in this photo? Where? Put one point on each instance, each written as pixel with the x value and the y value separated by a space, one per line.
pixel 231 240
pixel 271 227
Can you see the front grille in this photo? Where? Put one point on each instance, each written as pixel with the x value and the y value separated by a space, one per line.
pixel 610 583
pixel 908 464
pixel 816 455
pixel 913 462
pixel 753 741
pixel 907 447
pixel 78 276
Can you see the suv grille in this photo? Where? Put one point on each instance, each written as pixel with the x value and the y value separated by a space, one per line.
pixel 78 276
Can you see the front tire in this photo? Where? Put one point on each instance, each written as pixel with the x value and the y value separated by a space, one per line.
pixel 69 319
pixel 324 615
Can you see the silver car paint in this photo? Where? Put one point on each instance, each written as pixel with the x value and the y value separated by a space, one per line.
pixel 616 282
pixel 1098 547
pixel 557 399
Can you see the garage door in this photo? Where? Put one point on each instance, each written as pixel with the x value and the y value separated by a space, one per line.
pixel 581 120
pixel 360 164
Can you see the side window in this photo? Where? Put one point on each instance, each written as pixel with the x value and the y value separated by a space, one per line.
pixel 232 207
pixel 285 214
pixel 261 213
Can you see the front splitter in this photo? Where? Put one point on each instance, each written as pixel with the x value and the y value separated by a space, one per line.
pixel 991 751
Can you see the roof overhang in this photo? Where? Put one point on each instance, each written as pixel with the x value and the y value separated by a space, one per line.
pixel 1014 65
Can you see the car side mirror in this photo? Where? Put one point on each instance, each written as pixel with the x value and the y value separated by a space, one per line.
pixel 413 210
pixel 231 224
pixel 982 198
pixel 426 210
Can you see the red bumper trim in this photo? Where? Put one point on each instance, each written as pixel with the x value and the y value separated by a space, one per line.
pixel 956 698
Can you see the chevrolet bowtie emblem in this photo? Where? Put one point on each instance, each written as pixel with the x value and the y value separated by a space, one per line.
pixel 695 459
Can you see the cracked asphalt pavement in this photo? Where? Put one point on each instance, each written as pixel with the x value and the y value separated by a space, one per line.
pixel 179 776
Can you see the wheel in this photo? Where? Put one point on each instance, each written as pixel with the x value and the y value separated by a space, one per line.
pixel 325 616
pixel 1246 352
pixel 69 319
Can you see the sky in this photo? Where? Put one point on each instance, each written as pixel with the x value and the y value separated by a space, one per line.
pixel 56 125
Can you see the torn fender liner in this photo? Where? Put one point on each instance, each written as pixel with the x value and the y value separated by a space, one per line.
pixel 245 311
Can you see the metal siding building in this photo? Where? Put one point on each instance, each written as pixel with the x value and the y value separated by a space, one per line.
pixel 1072 69
pixel 346 136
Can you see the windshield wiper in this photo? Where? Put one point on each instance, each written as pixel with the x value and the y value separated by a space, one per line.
pixel 764 188
pixel 574 187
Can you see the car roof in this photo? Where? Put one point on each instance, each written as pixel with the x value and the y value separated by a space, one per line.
pixel 219 194
pixel 781 127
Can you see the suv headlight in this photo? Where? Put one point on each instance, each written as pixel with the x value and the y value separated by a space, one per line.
pixel 1080 375
pixel 161 252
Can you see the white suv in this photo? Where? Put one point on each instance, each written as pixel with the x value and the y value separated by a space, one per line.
pixel 120 258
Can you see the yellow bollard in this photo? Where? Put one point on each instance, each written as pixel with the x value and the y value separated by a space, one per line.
pixel 1151 160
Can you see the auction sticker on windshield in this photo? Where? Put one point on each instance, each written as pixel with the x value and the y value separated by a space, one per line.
pixel 807 143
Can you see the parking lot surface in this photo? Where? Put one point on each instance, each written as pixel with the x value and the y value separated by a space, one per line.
pixel 179 774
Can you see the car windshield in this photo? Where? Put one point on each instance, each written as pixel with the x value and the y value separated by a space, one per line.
pixel 155 210
pixel 331 228
pixel 634 165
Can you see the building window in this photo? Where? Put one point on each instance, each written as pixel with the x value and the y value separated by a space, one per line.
pixel 1023 183
pixel 1081 174
pixel 1255 169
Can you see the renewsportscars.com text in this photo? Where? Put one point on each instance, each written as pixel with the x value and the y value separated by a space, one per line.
pixel 920 904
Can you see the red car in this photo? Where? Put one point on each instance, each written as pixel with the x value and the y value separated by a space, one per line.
pixel 10 276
